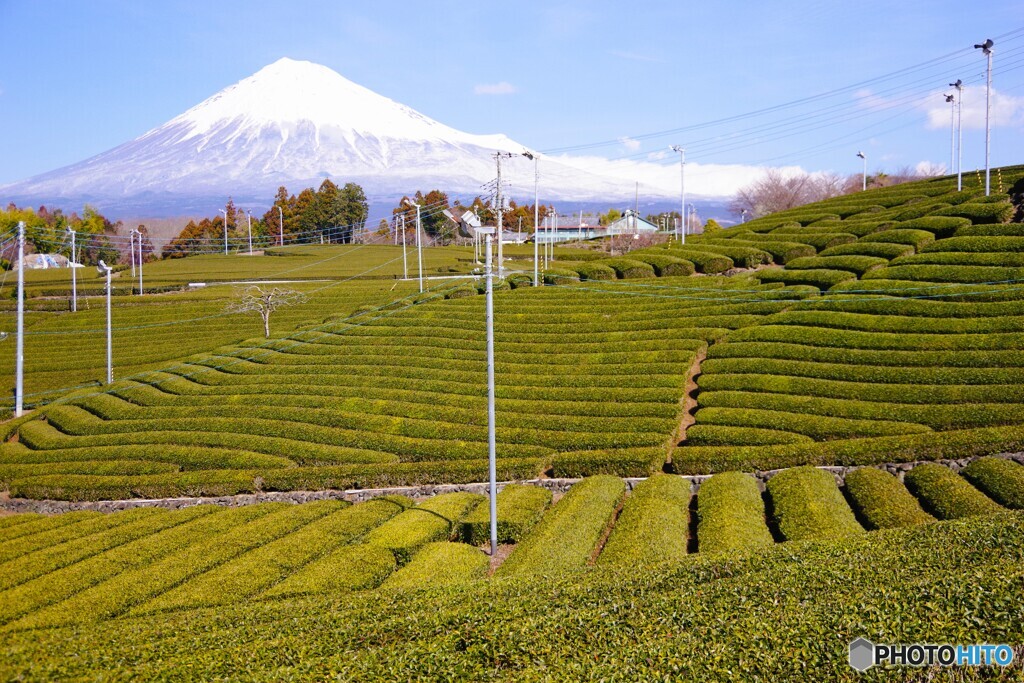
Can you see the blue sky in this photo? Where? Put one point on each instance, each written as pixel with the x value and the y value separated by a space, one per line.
pixel 77 78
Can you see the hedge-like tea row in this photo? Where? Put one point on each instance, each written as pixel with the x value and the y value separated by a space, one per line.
pixel 665 265
pixel 622 462
pixel 918 239
pixel 595 271
pixel 79 524
pixel 807 504
pixel 520 507
pixel 13 527
pixel 882 501
pixel 568 535
pixel 435 519
pixel 977 212
pixel 946 494
pixel 731 514
pixel 629 268
pixel 820 278
pixel 440 564
pixel 719 435
pixel 348 568
pixel 885 250
pixel 705 261
pixel 781 252
pixel 1002 480
pixel 793 414
pixel 653 526
pixel 854 264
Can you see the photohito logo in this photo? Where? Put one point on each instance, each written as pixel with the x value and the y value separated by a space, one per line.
pixel 864 654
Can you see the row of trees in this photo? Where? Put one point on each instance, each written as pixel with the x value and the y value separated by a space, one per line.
pixel 96 239
pixel 329 214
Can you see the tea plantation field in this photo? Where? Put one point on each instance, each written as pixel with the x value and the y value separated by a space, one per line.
pixel 683 585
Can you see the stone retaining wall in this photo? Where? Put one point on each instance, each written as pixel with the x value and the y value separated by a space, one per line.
pixel 556 486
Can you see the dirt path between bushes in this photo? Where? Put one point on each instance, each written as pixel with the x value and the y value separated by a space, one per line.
pixel 687 404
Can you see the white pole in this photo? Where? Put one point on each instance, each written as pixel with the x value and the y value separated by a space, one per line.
pixel 419 245
pixel 501 213
pixel 110 341
pixel 988 127
pixel 491 440
pixel 74 275
pixel 864 181
pixel 19 372
pixel 405 260
pixel 682 192
pixel 249 214
pixel 960 135
pixel 225 230
pixel 536 223
pixel 131 249
pixel 280 223
pixel 952 132
pixel 140 262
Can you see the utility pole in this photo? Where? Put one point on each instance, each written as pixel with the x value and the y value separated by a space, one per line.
pixel 959 85
pixel 223 211
pixel 280 223
pixel 952 130
pixel 986 48
pixel 419 240
pixel 501 210
pixel 682 192
pixel 131 248
pixel 864 182
pixel 536 220
pixel 74 274
pixel 140 261
pixel 491 440
pixel 249 214
pixel 405 260
pixel 105 269
pixel 19 354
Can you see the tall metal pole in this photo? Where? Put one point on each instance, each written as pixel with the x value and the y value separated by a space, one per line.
pixel 280 223
pixel 491 440
pixel 864 181
pixel 74 275
pixel 131 249
pixel 225 230
pixel 501 212
pixel 988 115
pixel 960 133
pixel 682 192
pixel 952 131
pixel 249 214
pixel 536 223
pixel 19 353
pixel 419 245
pixel 110 341
pixel 140 262
pixel 405 260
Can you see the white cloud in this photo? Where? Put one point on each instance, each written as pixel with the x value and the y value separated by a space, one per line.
pixel 630 144
pixel 657 156
pixel 502 88
pixel 928 169
pixel 1007 110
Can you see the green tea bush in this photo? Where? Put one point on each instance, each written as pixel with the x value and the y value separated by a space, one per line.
pixel 998 243
pixel 978 212
pixel 520 507
pixel 807 504
pixel 882 501
pixel 595 271
pixel 705 261
pixel 854 264
pixel 347 568
pixel 628 268
pixel 781 252
pixel 79 524
pixel 568 535
pixel 622 462
pixel 731 514
pixel 560 276
pixel 940 226
pixel 741 256
pixel 653 526
pixel 440 564
pixel 718 435
pixel 665 265
pixel 991 230
pixel 918 239
pixel 822 279
pixel 1002 480
pixel 435 519
pixel 946 494
pixel 964 274
pixel 885 250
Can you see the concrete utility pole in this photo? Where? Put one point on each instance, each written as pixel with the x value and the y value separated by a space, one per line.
pixel 682 192
pixel 419 240
pixel 249 214
pixel 536 220
pixel 491 440
pixel 500 209
pixel 864 182
pixel 986 48
pixel 19 352
pixel 139 232
pixel 405 260
pixel 959 85
pixel 131 248
pixel 105 269
pixel 74 274
pixel 280 223
pixel 224 211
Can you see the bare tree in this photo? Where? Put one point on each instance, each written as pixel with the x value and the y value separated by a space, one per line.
pixel 264 302
pixel 776 191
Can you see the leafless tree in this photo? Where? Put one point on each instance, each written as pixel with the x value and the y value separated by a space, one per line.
pixel 264 302
pixel 776 191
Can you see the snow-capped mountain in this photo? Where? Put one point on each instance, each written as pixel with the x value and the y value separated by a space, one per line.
pixel 295 123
